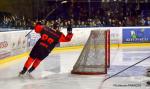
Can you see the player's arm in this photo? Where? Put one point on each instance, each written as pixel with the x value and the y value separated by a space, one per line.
pixel 38 27
pixel 69 35
pixel 66 38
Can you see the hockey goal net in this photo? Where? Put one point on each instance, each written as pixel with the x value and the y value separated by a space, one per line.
pixel 95 56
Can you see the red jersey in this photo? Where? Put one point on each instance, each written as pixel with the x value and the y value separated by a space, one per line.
pixel 49 37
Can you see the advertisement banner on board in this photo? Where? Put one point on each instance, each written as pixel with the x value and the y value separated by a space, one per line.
pixel 136 35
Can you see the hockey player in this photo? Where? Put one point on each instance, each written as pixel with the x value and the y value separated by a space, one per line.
pixel 49 38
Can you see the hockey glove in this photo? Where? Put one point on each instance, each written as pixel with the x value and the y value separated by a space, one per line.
pixel 69 28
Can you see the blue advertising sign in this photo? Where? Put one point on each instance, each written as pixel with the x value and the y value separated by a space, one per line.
pixel 136 35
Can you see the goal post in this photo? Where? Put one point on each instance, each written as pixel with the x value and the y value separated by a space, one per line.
pixel 95 56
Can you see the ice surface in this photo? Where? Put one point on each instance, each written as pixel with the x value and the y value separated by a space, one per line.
pixel 54 72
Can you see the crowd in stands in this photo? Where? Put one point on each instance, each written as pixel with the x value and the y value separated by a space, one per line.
pixel 15 22
pixel 119 15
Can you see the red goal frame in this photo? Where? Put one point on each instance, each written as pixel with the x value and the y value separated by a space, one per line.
pixel 107 57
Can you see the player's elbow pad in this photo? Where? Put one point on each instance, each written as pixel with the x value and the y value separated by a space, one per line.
pixel 69 36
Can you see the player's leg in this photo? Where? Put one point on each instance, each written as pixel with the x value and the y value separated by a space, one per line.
pixel 41 56
pixel 35 65
pixel 31 59
pixel 26 65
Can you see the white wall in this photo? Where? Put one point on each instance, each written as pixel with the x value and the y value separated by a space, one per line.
pixel 15 40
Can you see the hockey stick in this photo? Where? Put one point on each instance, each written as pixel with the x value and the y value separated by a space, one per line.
pixel 54 10
pixel 48 15
pixel 123 70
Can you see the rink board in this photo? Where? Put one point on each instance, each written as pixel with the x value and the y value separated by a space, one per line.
pixel 14 44
pixel 72 48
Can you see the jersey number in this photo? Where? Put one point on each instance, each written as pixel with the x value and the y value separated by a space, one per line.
pixel 46 38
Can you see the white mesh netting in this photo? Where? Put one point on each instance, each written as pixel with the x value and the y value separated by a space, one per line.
pixel 92 59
